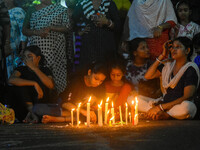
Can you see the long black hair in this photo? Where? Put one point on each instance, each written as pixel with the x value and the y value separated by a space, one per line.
pixel 37 51
pixel 187 43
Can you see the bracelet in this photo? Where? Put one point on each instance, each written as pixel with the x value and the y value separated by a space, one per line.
pixel 161 107
pixel 158 60
pixel 111 23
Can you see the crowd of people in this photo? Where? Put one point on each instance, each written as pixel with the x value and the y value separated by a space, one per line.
pixel 150 50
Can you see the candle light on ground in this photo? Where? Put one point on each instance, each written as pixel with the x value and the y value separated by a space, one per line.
pixel 88 112
pixel 106 111
pixel 132 112
pixel 72 117
pixel 136 112
pixel 113 113
pixel 79 105
pixel 126 113
pixel 100 114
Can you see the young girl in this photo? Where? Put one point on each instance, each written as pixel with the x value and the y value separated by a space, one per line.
pixel 117 89
pixel 180 80
pixel 30 84
pixel 137 66
pixel 185 27
pixel 82 85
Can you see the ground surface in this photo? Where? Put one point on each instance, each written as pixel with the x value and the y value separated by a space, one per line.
pixel 148 135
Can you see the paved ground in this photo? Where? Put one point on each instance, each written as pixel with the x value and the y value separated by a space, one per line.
pixel 148 135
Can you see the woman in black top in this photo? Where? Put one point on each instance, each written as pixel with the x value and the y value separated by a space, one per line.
pixel 180 79
pixel 30 83
pixel 82 85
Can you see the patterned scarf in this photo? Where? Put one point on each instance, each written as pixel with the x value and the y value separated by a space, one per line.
pixel 88 9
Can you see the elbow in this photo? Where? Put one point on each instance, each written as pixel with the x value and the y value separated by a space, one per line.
pixel 147 77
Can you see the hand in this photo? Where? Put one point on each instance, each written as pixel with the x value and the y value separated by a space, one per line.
pixel 84 30
pixel 43 33
pixel 39 90
pixel 157 32
pixel 153 112
pixel 93 116
pixel 29 63
pixel 167 46
pixel 101 21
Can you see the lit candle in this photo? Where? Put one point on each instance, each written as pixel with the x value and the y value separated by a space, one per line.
pixel 130 117
pixel 126 113
pixel 100 114
pixel 88 112
pixel 136 112
pixel 132 112
pixel 120 113
pixel 106 111
pixel 79 105
pixel 113 113
pixel 72 117
pixel 110 124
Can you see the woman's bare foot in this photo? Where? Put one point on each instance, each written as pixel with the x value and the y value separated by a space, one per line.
pixel 163 116
pixel 48 119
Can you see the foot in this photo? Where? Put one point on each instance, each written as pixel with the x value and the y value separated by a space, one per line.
pixel 27 118
pixel 163 116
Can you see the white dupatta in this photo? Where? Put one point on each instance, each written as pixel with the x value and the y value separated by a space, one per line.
pixel 167 71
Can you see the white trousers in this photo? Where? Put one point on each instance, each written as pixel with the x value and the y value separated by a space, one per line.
pixel 185 110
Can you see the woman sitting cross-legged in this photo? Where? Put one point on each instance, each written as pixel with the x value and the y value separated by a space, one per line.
pixel 31 83
pixel 180 79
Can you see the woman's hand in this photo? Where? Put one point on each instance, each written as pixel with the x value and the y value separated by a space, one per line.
pixel 39 90
pixel 153 112
pixel 157 31
pixel 101 21
pixel 29 63
pixel 43 33
pixel 167 46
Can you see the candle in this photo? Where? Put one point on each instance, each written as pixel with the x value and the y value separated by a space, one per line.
pixel 136 112
pixel 110 124
pixel 113 113
pixel 120 113
pixel 100 114
pixel 132 112
pixel 72 117
pixel 126 113
pixel 130 117
pixel 79 105
pixel 106 111
pixel 88 112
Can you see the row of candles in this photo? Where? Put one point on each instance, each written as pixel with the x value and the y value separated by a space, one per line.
pixel 133 116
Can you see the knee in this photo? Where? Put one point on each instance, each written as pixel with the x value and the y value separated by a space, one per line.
pixel 188 109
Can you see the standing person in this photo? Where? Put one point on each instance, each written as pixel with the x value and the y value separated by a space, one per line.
pixel 102 21
pixel 180 80
pixel 16 15
pixel 30 84
pixel 137 66
pixel 150 19
pixel 83 85
pixel 45 25
pixel 185 26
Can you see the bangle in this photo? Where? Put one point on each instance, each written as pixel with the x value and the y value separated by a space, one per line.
pixel 111 23
pixel 158 60
pixel 161 107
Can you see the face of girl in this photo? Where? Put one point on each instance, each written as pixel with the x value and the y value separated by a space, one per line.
pixel 178 50
pixel 116 75
pixel 183 12
pixel 142 50
pixel 96 79
pixel 29 56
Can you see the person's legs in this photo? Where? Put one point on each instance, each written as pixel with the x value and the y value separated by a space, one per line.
pixel 185 110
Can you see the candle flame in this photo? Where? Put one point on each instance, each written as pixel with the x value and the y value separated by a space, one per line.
pixel 132 102
pixel 89 99
pixel 108 111
pixel 112 105
pixel 73 109
pixel 112 118
pixel 136 115
pixel 107 100
pixel 101 102
pixel 126 104
pixel 79 105
pixel 136 100
pixel 129 113
pixel 79 122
